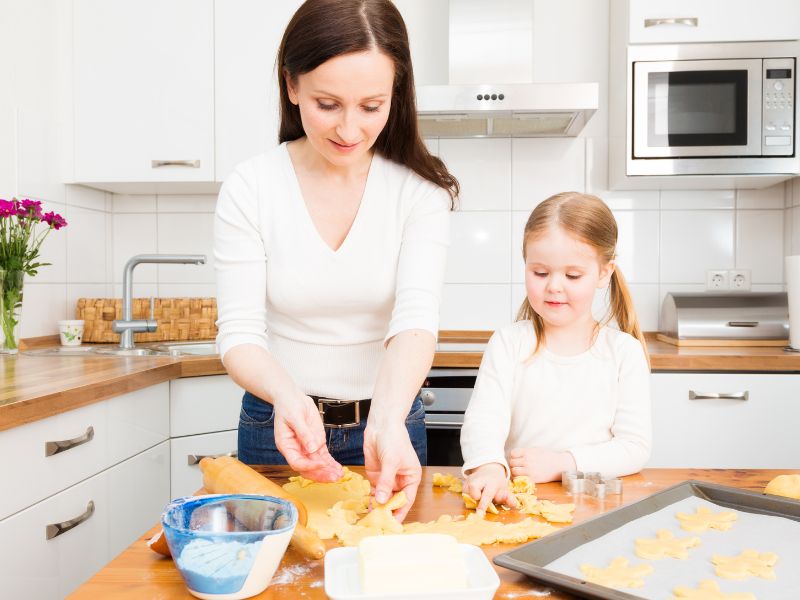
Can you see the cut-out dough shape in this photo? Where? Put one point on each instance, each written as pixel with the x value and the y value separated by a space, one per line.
pixel 748 564
pixel 552 511
pixel 784 485
pixel 452 483
pixel 704 519
pixel 665 545
pixel 381 516
pixel 618 574
pixel 477 530
pixel 708 590
pixel 472 504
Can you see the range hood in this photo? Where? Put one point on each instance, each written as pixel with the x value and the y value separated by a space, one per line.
pixel 491 42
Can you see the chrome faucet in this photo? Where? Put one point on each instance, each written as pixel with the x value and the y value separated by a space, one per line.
pixel 127 326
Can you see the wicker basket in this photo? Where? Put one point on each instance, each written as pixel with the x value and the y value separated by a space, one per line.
pixel 178 318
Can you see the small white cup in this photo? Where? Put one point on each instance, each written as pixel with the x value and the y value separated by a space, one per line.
pixel 71 332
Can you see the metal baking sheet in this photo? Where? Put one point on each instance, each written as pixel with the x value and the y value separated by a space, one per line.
pixel 533 559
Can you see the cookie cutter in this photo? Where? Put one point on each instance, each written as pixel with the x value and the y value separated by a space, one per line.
pixel 590 483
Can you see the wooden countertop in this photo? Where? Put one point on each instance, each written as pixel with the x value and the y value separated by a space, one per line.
pixel 35 387
pixel 140 573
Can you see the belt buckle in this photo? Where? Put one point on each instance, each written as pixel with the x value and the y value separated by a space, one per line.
pixel 321 402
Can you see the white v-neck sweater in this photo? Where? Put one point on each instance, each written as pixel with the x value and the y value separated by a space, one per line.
pixel 325 315
pixel 595 405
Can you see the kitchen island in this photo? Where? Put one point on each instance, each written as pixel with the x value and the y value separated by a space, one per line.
pixel 140 573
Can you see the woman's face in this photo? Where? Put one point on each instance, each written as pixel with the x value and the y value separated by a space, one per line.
pixel 561 276
pixel 344 104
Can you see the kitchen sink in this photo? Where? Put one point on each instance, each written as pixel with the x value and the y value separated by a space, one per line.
pixel 187 348
pixel 155 349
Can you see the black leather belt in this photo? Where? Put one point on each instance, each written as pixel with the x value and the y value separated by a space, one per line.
pixel 339 414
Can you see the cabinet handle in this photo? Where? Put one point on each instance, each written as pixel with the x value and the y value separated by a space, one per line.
pixel 719 395
pixel 442 425
pixel 194 164
pixel 56 529
pixel 428 397
pixel 742 323
pixel 193 459
pixel 688 21
pixel 51 448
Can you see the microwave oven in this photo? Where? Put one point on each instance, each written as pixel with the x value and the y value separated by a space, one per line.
pixel 708 109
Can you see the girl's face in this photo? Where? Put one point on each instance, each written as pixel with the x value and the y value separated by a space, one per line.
pixel 561 275
pixel 344 104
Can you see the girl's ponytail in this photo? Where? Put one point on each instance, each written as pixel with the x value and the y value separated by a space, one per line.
pixel 622 310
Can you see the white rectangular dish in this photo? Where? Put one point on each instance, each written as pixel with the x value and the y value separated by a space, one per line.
pixel 343 580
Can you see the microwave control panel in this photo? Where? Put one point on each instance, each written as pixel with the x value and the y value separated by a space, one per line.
pixel 778 122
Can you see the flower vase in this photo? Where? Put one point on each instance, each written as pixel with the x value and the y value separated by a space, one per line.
pixel 10 310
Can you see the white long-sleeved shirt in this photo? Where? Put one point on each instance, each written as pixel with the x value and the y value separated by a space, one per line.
pixel 595 405
pixel 326 315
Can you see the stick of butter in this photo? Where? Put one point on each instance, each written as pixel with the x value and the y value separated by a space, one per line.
pixel 416 562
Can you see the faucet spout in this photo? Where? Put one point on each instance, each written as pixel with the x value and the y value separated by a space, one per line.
pixel 127 326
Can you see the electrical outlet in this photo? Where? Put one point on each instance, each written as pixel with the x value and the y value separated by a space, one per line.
pixel 739 279
pixel 716 280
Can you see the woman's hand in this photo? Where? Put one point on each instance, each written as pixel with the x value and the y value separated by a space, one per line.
pixel 391 464
pixel 488 483
pixel 540 464
pixel 300 436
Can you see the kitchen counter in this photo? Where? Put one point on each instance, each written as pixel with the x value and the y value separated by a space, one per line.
pixel 35 387
pixel 140 573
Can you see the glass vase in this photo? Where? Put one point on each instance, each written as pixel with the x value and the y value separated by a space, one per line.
pixel 10 310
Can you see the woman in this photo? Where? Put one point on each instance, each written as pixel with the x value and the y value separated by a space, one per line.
pixel 330 254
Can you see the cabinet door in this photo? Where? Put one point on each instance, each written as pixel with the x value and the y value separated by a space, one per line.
pixel 247 35
pixel 662 21
pixel 143 90
pixel 186 453
pixel 694 429
pixel 204 405
pixel 138 491
pixel 34 567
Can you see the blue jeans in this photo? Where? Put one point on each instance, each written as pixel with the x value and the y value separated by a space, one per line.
pixel 257 435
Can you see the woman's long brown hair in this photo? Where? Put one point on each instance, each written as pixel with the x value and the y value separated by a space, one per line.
pixel 323 29
pixel 588 219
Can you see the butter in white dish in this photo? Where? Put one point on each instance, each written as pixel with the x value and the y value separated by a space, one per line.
pixel 411 563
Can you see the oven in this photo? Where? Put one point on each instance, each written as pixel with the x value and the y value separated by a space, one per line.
pixel 445 394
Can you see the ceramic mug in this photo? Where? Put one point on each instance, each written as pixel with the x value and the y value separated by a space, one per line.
pixel 71 332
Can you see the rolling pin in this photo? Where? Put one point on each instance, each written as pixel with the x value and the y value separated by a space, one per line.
pixel 226 475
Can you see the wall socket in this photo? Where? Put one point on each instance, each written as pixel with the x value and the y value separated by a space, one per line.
pixel 727 280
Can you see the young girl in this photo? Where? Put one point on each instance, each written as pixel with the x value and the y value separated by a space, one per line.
pixel 557 390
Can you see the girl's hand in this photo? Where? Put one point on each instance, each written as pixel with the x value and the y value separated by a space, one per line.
pixel 488 483
pixel 540 464
pixel 391 464
pixel 300 436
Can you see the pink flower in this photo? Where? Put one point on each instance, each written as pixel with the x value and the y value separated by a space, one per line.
pixel 55 221
pixel 7 208
pixel 30 209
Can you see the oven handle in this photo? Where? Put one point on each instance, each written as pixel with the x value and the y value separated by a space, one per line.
pixel 442 425
pixel 687 21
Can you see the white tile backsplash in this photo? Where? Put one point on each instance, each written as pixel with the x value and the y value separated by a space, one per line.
pixel 480 246
pixel 201 203
pixel 54 247
pixel 484 171
pixel 467 306
pixel 143 203
pixel 86 260
pixel 543 167
pixel 694 241
pixel 759 244
pixel 771 197
pixel 637 245
pixel 186 234
pixel 85 197
pixel 134 234
pixel 43 304
pixel 697 199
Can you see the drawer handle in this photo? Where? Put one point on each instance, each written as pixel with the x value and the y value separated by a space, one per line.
pixel 56 529
pixel 742 323
pixel 194 164
pixel 442 425
pixel 688 21
pixel 193 459
pixel 719 395
pixel 51 448
pixel 428 397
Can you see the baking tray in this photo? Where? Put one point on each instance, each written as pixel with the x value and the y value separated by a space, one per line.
pixel 531 558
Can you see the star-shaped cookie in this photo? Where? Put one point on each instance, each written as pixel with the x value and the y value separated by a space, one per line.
pixel 665 544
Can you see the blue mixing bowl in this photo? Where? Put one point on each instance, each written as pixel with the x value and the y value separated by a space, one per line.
pixel 227 546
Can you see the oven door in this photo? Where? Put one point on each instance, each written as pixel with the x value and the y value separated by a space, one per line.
pixel 445 394
pixel 693 108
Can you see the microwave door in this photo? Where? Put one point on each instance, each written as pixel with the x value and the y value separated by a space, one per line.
pixel 696 108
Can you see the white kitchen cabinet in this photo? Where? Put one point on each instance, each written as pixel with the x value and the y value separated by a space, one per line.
pixel 729 432
pixel 113 508
pixel 186 452
pixel 675 21
pixel 89 439
pixel 247 34
pixel 143 91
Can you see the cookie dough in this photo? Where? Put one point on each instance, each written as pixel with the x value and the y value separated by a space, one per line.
pixel 748 564
pixel 665 545
pixel 452 483
pixel 784 485
pixel 477 530
pixel 704 519
pixel 618 574
pixel 472 504
pixel 521 484
pixel 708 590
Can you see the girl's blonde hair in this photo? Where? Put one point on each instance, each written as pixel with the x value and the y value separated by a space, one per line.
pixel 588 219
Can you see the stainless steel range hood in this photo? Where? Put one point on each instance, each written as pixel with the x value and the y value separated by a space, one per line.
pixel 489 42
